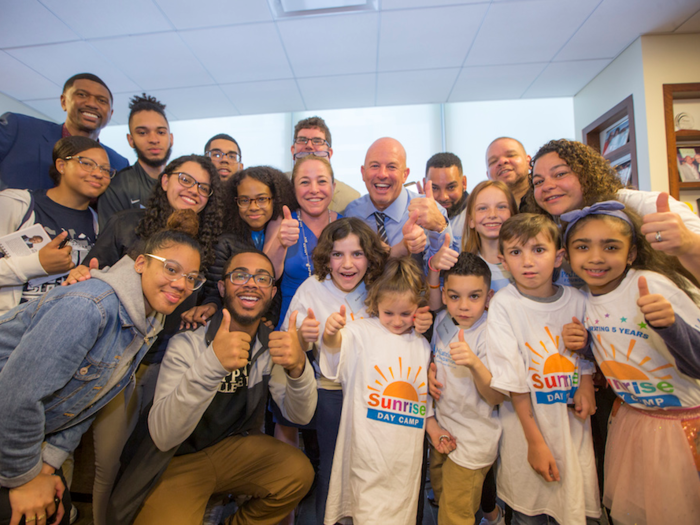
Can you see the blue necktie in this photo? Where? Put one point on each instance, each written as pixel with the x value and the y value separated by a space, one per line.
pixel 381 230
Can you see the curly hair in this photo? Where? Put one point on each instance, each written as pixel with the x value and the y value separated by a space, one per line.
pixel 144 102
pixel 594 173
pixel 647 257
pixel 400 276
pixel 471 242
pixel 182 228
pixel 371 244
pixel 281 190
pixel 159 209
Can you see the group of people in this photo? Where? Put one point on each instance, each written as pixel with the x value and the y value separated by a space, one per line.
pixel 494 324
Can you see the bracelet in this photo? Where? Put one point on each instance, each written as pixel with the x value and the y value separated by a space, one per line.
pixel 430 266
pixel 434 287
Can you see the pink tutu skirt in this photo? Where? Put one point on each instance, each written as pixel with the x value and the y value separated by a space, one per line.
pixel 652 465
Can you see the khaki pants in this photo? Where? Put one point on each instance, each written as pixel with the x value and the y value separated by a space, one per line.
pixel 457 489
pixel 276 475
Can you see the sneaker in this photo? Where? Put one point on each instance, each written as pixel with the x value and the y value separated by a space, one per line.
pixel 500 520
pixel 73 515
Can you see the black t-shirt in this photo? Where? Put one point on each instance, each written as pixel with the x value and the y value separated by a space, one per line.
pixel 54 217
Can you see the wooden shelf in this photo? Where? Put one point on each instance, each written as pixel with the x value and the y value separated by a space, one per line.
pixel 687 135
pixel 689 185
pixel 675 138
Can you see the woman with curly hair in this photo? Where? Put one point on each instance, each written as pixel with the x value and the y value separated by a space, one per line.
pixel 568 175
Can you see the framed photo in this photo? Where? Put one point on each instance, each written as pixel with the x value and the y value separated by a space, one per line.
pixel 623 167
pixel 616 135
pixel 688 163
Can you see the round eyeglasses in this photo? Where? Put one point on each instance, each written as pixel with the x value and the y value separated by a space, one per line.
pixel 188 181
pixel 172 270
pixel 316 141
pixel 239 278
pixel 91 166
pixel 245 202
pixel 218 155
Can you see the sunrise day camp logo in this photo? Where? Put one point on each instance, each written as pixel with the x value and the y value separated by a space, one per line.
pixel 553 375
pixel 396 398
pixel 634 385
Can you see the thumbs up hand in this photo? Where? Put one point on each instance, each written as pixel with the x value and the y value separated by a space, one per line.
pixel 445 258
pixel 666 231
pixel 231 348
pixel 289 229
pixel 657 311
pixel 332 337
pixel 429 215
pixel 285 349
pixel 309 329
pixel 461 353
pixel 413 235
pixel 575 335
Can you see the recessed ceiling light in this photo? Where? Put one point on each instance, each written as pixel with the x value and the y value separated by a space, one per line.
pixel 303 8
pixel 291 6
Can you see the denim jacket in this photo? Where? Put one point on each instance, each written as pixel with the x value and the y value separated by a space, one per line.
pixel 62 358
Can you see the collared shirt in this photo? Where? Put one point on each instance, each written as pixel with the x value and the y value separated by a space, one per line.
pixel 396 217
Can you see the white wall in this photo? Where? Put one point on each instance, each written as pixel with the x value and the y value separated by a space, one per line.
pixel 15 106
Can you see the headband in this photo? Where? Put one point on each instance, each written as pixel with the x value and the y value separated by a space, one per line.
pixel 612 208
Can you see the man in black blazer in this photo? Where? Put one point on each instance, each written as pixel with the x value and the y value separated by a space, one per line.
pixel 26 142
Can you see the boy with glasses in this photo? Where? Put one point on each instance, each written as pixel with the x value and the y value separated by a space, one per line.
pixel 225 153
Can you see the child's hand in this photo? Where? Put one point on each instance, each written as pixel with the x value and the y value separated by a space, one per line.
pixel 656 309
pixel 575 335
pixel 335 322
pixel 413 235
pixel 434 386
pixel 541 459
pixel 445 258
pixel 80 273
pixel 584 398
pixel 309 329
pixel 422 319
pixel 461 353
pixel 289 229
pixel 441 439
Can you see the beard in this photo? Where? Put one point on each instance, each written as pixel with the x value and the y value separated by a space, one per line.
pixel 153 163
pixel 245 318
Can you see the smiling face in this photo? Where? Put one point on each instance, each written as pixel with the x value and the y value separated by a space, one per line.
pixel 255 215
pixel 557 187
pixel 385 172
pixel 448 185
pixel 466 297
pixel 507 161
pixel 491 209
pixel 160 294
pixel 600 252
pixel 181 197
pixel 348 263
pixel 248 302
pixel 150 137
pixel 396 311
pixel 80 181
pixel 88 106
pixel 313 187
pixel 532 264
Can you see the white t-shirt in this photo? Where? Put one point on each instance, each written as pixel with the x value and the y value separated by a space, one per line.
pixel 378 455
pixel 324 298
pixel 644 203
pixel 633 357
pixel 527 355
pixel 500 277
pixel 461 410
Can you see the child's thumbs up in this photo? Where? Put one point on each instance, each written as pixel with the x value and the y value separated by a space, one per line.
pixel 410 223
pixel 309 329
pixel 342 311
pixel 643 287
pixel 657 310
pixel 575 335
pixel 460 335
pixel 446 244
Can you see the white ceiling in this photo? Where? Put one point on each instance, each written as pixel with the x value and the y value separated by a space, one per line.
pixel 214 58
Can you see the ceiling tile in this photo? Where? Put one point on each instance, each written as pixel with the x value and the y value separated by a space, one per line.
pixel 58 62
pixel 51 107
pixel 494 82
pixel 91 19
pixel 273 96
pixel 340 44
pixel 164 61
pixel 615 24
pixel 522 32
pixel 21 82
pixel 212 13
pixel 428 38
pixel 415 87
pixel 196 102
pixel 565 79
pixel 345 91
pixel 251 52
pixel 692 25
pixel 407 4
pixel 29 23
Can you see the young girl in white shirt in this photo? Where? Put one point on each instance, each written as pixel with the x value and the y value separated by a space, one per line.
pixel 643 317
pixel 381 363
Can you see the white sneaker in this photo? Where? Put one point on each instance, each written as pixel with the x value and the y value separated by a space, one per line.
pixel 73 515
pixel 500 520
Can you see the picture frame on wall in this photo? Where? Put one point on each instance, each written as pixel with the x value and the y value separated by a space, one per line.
pixel 615 136
pixel 623 167
pixel 688 163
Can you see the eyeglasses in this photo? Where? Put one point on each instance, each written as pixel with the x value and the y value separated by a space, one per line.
pixel 316 141
pixel 218 154
pixel 302 154
pixel 172 270
pixel 188 181
pixel 245 202
pixel 263 280
pixel 91 166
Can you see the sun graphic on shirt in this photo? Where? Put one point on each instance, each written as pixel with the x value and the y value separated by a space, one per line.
pixel 400 383
pixel 551 362
pixel 617 370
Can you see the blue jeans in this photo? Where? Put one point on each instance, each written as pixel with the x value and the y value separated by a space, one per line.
pixel 328 410
pixel 542 519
